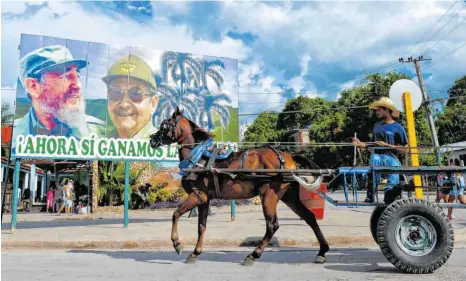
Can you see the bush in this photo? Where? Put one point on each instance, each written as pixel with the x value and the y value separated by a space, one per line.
pixel 152 198
pixel 164 195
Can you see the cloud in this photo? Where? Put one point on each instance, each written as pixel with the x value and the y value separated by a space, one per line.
pixel 298 83
pixel 160 35
pixel 258 92
pixel 273 41
pixel 343 38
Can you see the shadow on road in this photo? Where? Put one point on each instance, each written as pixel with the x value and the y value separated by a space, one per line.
pixel 339 259
pixel 74 223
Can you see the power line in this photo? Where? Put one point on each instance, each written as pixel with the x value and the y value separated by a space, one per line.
pixel 442 58
pixel 446 34
pixel 445 91
pixel 359 78
pixel 427 41
pixel 438 20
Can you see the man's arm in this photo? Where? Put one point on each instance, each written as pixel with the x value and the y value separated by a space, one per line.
pixel 399 148
pixel 359 143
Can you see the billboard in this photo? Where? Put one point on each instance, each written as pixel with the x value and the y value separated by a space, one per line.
pixel 88 100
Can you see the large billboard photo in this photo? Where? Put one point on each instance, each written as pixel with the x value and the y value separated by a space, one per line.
pixel 87 100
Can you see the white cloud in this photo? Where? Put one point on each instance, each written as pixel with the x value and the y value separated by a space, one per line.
pixel 257 92
pixel 354 35
pixel 13 7
pixel 298 83
pixel 345 32
pixel 348 85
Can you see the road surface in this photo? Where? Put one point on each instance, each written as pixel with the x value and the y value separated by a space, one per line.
pixel 214 264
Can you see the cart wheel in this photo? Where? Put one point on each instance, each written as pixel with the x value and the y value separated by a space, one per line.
pixel 376 213
pixel 415 236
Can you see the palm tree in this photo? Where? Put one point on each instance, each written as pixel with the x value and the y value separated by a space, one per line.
pixel 169 101
pixel 209 103
pixel 210 68
pixel 182 67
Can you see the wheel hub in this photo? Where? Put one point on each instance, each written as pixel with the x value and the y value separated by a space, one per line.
pixel 416 235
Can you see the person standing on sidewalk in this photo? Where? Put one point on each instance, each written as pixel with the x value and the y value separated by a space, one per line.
pixel 390 139
pixel 50 197
pixel 64 197
pixel 455 189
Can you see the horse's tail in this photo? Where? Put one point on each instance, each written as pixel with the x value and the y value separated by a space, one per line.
pixel 304 162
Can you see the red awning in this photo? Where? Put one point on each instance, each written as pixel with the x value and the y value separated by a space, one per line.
pixel 6 134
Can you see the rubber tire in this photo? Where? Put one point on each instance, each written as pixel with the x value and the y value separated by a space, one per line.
pixel 393 253
pixel 374 222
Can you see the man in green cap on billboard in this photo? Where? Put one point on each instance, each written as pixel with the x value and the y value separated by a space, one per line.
pixel 132 98
pixel 50 78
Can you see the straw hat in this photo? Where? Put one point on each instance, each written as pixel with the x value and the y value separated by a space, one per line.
pixel 387 103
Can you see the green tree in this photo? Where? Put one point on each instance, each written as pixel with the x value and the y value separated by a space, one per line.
pixel 451 124
pixel 264 128
pixel 7 114
pixel 324 121
pixel 112 181
pixel 307 111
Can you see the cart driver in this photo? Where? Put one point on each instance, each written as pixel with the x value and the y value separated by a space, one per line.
pixel 390 139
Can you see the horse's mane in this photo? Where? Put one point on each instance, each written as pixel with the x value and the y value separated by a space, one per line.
pixel 199 134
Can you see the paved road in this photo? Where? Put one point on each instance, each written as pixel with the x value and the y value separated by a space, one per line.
pixel 214 264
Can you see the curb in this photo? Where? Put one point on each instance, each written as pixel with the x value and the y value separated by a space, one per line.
pixel 188 242
pixel 460 239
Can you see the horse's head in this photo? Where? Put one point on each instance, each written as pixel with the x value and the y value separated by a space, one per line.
pixel 174 129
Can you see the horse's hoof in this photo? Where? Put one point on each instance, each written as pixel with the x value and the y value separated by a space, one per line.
pixel 248 261
pixel 320 259
pixel 191 259
pixel 178 248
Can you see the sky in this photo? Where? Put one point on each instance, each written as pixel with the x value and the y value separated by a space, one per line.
pixel 284 49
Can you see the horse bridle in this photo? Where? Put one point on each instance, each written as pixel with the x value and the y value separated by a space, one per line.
pixel 172 127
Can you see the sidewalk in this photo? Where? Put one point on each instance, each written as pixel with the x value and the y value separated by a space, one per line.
pixel 152 228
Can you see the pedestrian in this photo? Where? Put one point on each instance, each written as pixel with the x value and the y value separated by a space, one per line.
pixel 64 197
pixel 456 190
pixel 50 198
pixel 27 200
pixel 70 197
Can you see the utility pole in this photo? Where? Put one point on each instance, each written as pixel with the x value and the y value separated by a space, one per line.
pixel 430 119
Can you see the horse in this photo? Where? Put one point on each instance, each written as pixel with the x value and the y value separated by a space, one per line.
pixel 202 188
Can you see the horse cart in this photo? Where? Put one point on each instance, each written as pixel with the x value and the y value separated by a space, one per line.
pixel 414 234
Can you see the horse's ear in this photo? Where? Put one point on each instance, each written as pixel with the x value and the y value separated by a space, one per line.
pixel 179 111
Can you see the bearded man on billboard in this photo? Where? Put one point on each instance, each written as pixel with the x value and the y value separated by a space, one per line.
pixel 50 77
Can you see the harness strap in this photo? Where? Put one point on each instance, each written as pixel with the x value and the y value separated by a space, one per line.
pixel 214 172
pixel 212 157
pixel 217 186
pixel 241 163
pixel 280 158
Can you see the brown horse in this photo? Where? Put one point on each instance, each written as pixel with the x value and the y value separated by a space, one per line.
pixel 201 188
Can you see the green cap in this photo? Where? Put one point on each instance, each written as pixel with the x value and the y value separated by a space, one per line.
pixel 131 66
pixel 54 58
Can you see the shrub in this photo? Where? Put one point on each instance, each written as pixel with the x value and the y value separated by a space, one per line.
pixel 152 198
pixel 163 195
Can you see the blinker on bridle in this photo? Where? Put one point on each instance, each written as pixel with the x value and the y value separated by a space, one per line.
pixel 172 127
